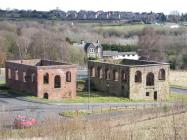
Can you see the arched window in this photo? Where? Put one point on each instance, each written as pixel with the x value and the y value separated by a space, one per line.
pixel 9 74
pixel 100 72
pixel 16 74
pixel 107 74
pixel 24 76
pixel 92 72
pixel 57 81
pixel 150 79
pixel 68 76
pixel 162 74
pixel 33 77
pixel 138 77
pixel 46 78
pixel 123 76
pixel 115 75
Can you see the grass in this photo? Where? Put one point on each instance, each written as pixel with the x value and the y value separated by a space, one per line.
pixel 82 97
pixel 178 97
pixel 122 26
pixel 178 79
pixel 2 82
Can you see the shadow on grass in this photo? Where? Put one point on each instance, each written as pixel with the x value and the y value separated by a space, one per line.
pixel 14 93
pixel 97 94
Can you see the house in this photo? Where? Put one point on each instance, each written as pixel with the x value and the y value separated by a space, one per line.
pixel 133 79
pixel 120 55
pixel 92 50
pixel 43 78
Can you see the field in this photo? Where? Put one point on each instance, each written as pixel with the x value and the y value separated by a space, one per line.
pixel 167 123
pixel 178 79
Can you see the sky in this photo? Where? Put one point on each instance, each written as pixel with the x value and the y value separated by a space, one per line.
pixel 165 6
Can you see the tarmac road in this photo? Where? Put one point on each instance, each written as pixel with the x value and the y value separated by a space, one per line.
pixel 11 106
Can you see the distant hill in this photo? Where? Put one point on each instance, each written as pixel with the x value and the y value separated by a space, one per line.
pixel 110 16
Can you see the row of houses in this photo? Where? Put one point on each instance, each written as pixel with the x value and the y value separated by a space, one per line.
pixel 85 15
pixel 95 50
pixel 113 15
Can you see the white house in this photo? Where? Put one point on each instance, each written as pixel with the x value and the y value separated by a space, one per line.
pixel 120 55
pixel 92 50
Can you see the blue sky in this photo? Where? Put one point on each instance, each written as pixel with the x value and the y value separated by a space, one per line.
pixel 165 6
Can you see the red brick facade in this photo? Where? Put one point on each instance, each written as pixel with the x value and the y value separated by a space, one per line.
pixel 43 78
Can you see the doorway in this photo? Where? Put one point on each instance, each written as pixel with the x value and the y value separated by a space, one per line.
pixel 155 95
pixel 46 96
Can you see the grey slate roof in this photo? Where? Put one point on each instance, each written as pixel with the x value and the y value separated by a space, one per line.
pixel 114 53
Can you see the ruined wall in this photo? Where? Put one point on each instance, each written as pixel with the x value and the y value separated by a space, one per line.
pixel 161 87
pixel 67 89
pixel 50 63
pixel 110 86
pixel 31 79
pixel 20 84
pixel 129 88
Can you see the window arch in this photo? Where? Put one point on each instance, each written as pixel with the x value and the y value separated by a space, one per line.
pixel 138 77
pixel 68 76
pixel 100 72
pixel 107 74
pixel 9 74
pixel 32 77
pixel 123 76
pixel 162 74
pixel 46 78
pixel 115 75
pixel 16 74
pixel 24 76
pixel 92 72
pixel 57 81
pixel 150 79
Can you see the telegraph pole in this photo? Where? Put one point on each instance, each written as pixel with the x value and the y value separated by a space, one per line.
pixel 88 88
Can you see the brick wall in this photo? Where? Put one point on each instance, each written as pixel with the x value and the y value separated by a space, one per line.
pixel 30 78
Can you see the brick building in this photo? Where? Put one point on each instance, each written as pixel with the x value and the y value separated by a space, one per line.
pixel 42 78
pixel 133 79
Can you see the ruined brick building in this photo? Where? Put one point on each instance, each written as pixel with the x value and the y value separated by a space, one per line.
pixel 133 79
pixel 42 78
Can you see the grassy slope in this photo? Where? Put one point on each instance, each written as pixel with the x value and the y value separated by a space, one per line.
pixel 178 79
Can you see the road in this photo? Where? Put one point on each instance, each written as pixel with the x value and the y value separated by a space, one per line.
pixel 11 106
pixel 178 90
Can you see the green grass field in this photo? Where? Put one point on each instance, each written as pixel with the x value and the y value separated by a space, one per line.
pixel 83 97
pixel 2 82
pixel 178 97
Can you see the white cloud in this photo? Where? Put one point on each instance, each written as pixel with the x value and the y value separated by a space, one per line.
pixel 121 5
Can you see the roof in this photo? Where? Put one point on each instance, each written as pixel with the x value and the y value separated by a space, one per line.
pixel 114 53
pixel 128 53
pixel 110 53
pixel 85 46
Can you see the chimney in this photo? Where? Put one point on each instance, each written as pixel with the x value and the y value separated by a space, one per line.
pixel 98 41
pixel 82 42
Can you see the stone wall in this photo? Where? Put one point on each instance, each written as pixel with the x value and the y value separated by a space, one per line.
pixel 110 86
pixel 129 88
pixel 161 87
